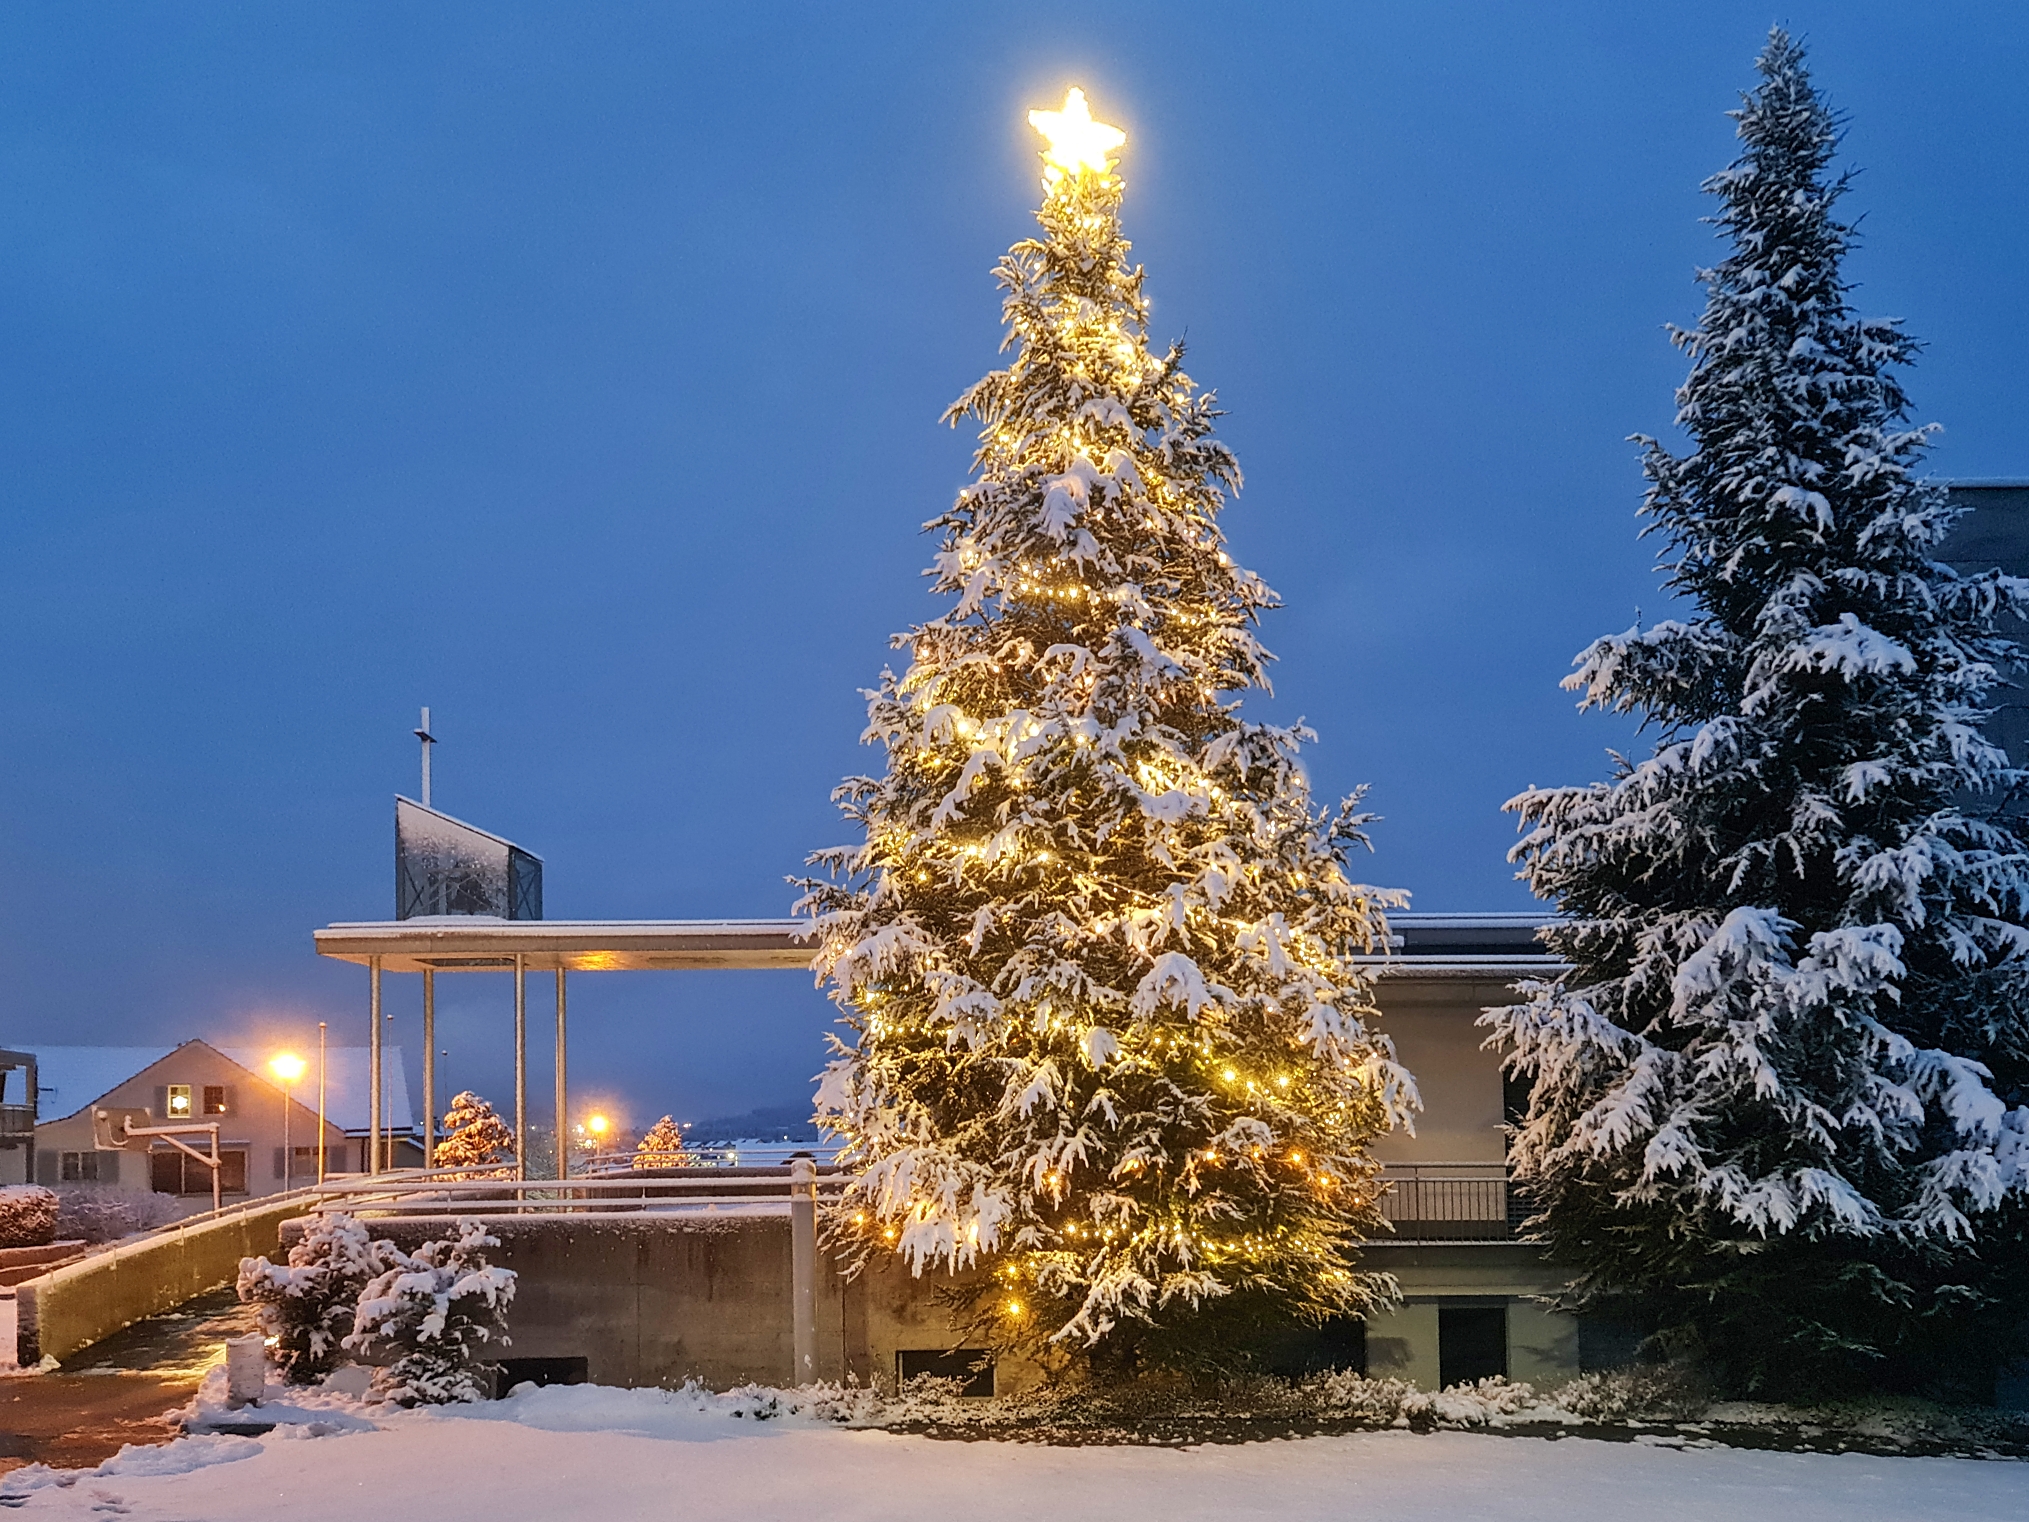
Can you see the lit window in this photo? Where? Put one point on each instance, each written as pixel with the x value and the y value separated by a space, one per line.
pixel 179 1101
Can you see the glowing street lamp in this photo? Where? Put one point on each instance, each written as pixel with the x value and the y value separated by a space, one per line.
pixel 288 1067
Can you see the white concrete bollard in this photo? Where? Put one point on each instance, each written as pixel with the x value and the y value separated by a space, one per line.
pixel 10 1328
pixel 246 1369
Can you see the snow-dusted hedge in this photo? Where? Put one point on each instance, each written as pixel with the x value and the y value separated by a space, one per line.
pixel 432 1318
pixel 106 1215
pixel 27 1216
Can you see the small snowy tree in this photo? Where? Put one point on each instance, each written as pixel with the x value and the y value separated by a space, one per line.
pixel 431 1319
pixel 1779 1099
pixel 307 1304
pixel 662 1147
pixel 475 1137
pixel 1098 956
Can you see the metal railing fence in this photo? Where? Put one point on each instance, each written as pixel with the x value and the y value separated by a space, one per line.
pixel 442 1192
pixel 1448 1201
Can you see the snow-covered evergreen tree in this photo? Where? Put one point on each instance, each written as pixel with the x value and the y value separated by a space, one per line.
pixel 475 1137
pixel 1097 954
pixel 432 1320
pixel 662 1147
pixel 1779 1098
pixel 307 1304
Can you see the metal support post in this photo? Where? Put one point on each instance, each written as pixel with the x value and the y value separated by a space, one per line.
pixel 563 1087
pixel 323 1050
pixel 803 1265
pixel 520 1065
pixel 373 1115
pixel 429 1061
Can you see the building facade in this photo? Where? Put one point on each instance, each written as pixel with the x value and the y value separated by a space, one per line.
pixel 260 1151
pixel 17 1117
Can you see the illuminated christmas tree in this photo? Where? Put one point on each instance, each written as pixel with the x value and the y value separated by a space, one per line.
pixel 1098 953
pixel 475 1136
pixel 662 1147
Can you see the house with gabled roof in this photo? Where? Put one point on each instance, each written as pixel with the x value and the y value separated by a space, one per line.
pixel 203 1084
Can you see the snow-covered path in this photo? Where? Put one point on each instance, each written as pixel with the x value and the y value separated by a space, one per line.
pixel 559 1454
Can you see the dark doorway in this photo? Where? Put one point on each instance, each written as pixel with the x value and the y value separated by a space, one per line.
pixel 1472 1343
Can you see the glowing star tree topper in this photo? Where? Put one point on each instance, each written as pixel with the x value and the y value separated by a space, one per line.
pixel 1110 1045
pixel 1077 143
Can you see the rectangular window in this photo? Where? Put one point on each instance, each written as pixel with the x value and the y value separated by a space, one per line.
pixel 80 1167
pixel 179 1101
pixel 173 1173
pixel 1472 1343
pixel 214 1099
pixel 973 1365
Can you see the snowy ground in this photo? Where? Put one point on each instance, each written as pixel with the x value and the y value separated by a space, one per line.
pixel 590 1452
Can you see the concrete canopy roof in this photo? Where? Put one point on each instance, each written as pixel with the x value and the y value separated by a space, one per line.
pixel 479 943
pixel 1429 945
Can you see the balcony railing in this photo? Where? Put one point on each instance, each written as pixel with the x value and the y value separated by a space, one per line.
pixel 1451 1202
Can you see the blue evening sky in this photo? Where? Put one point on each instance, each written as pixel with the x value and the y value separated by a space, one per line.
pixel 575 370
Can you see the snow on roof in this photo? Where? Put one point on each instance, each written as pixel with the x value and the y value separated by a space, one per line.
pixel 69 1078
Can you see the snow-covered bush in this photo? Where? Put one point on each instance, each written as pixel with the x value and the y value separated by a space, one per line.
pixel 431 1319
pixel 307 1305
pixel 662 1147
pixel 1646 1392
pixel 27 1216
pixel 106 1215
pixel 1346 1396
pixel 475 1135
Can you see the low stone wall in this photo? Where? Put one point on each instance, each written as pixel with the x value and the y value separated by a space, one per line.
pixel 77 1305
pixel 656 1300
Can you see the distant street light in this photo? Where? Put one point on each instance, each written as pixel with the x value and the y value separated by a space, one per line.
pixel 288 1067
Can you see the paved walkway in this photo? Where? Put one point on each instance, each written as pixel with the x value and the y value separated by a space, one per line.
pixel 116 1391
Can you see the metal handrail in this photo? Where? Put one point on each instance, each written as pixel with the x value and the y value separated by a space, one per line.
pixel 447 1191
pixel 1444 1200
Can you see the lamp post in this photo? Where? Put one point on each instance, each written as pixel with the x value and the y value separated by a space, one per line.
pixel 288 1067
pixel 323 1071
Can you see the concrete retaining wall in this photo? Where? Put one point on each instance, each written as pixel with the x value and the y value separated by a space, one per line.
pixel 658 1300
pixel 649 1300
pixel 80 1303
